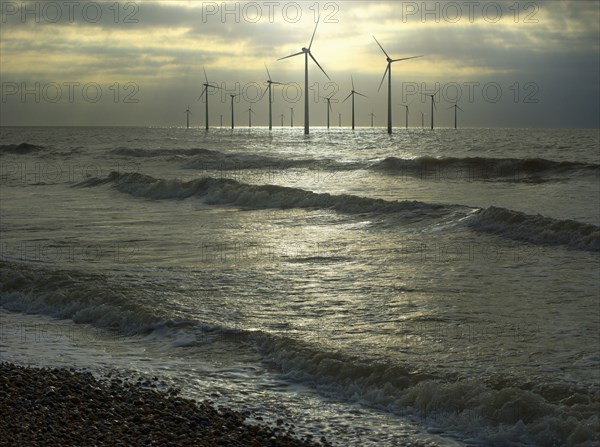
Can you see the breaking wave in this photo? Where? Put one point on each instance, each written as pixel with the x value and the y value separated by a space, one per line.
pixel 501 410
pixel 482 168
pixel 536 229
pixel 231 192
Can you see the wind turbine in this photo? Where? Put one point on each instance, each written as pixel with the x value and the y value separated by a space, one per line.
pixel 207 85
pixel 221 120
pixel 306 52
pixel 340 119
pixel 422 120
pixel 250 112
pixel 406 114
pixel 282 119
pixel 372 116
pixel 352 93
pixel 388 71
pixel 456 106
pixel 291 117
pixel 187 111
pixel 269 82
pixel 432 104
pixel 232 96
pixel 328 99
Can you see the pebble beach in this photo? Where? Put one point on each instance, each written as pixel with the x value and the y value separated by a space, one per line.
pixel 68 407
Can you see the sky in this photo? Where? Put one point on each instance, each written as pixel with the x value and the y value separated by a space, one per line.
pixel 140 63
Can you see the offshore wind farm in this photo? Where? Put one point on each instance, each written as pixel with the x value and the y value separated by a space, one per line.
pixel 306 52
pixel 213 235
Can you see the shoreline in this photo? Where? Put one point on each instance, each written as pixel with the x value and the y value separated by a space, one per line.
pixel 69 407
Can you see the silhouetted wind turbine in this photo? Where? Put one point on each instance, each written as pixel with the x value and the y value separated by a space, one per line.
pixel 306 52
pixel 352 93
pixel 372 116
pixel 250 112
pixel 291 117
pixel 388 71
pixel 340 119
pixel 328 99
pixel 406 114
pixel 232 96
pixel 205 90
pixel 456 106
pixel 422 120
pixel 221 120
pixel 269 83
pixel 187 111
pixel 432 103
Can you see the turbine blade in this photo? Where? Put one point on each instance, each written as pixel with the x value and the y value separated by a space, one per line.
pixel 202 94
pixel 329 104
pixel 384 73
pixel 269 74
pixel 263 93
pixel 352 79
pixel 361 94
pixel 434 106
pixel 387 55
pixel 319 65
pixel 451 107
pixel 313 34
pixel 205 77
pixel 291 55
pixel 460 108
pixel 347 97
pixel 406 58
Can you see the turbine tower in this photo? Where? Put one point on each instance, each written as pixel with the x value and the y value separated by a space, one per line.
pixel 340 119
pixel 372 115
pixel 328 99
pixel 269 82
pixel 405 114
pixel 291 117
pixel 306 52
pixel 282 119
pixel 207 85
pixel 432 104
pixel 455 106
pixel 388 71
pixel 422 120
pixel 352 93
pixel 250 112
pixel 232 96
pixel 187 111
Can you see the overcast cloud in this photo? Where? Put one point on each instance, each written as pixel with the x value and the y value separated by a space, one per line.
pixel 516 64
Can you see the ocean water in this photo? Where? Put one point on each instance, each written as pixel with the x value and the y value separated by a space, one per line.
pixel 426 288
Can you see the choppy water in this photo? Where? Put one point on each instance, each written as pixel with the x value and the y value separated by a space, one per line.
pixel 429 287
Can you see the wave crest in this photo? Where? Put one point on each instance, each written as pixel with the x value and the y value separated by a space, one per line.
pixel 231 192
pixel 536 229
pixel 481 168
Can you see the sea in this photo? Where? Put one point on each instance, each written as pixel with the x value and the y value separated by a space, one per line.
pixel 424 288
